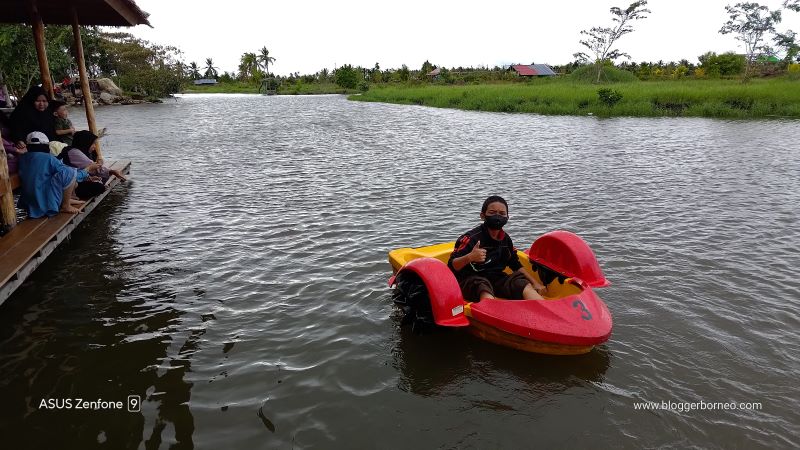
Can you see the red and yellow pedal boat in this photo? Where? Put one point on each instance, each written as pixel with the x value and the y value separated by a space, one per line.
pixel 570 320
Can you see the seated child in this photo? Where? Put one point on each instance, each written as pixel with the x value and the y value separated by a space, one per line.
pixel 83 153
pixel 481 255
pixel 64 128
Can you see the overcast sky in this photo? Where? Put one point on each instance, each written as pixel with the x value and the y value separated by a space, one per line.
pixel 308 35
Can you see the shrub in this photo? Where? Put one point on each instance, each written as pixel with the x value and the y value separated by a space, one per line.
pixel 793 71
pixel 699 72
pixel 671 105
pixel 403 73
pixel 726 64
pixel 609 97
pixel 740 103
pixel 347 77
pixel 680 72
pixel 644 72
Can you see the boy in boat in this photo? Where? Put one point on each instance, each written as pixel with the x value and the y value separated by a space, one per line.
pixel 481 254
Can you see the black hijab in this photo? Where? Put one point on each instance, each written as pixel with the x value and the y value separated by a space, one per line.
pixel 81 140
pixel 26 118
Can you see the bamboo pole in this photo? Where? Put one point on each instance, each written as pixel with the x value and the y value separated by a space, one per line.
pixel 41 52
pixel 7 211
pixel 87 93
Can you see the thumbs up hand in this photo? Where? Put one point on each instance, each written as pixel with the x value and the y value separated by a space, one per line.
pixel 477 255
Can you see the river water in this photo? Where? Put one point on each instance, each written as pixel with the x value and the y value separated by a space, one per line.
pixel 238 282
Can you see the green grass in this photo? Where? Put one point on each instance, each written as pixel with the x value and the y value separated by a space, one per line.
pixel 234 87
pixel 243 87
pixel 776 97
pixel 314 88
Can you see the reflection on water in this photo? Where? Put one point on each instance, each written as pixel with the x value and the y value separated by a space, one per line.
pixel 433 362
pixel 97 336
pixel 238 282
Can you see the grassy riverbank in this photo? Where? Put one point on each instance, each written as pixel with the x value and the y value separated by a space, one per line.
pixel 240 87
pixel 777 97
pixel 314 88
pixel 236 87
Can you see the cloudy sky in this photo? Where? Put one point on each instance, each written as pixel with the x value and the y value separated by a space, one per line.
pixel 308 35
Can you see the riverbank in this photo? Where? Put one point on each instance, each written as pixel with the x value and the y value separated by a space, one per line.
pixel 777 97
pixel 238 87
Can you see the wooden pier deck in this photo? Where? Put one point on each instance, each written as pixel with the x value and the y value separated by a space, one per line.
pixel 29 243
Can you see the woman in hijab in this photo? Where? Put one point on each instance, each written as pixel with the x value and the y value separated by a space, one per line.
pixel 82 154
pixel 32 114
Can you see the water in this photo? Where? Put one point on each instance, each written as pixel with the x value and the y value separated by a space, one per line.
pixel 238 283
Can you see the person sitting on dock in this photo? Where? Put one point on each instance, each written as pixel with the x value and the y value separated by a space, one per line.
pixel 82 154
pixel 64 128
pixel 32 114
pixel 481 255
pixel 46 183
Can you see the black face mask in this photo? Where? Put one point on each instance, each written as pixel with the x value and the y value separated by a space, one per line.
pixel 495 222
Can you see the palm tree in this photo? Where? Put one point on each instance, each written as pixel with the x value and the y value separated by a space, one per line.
pixel 211 71
pixel 194 71
pixel 248 65
pixel 265 59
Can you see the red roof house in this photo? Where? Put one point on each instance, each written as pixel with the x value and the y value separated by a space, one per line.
pixel 533 70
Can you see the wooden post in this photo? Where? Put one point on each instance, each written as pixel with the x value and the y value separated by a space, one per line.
pixel 7 212
pixel 4 91
pixel 87 93
pixel 41 52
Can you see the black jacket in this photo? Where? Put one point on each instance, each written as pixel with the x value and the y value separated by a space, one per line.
pixel 499 254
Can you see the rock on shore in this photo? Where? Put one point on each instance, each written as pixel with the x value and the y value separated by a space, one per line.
pixel 109 94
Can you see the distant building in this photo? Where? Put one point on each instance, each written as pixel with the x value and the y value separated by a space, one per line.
pixel 434 74
pixel 203 81
pixel 533 70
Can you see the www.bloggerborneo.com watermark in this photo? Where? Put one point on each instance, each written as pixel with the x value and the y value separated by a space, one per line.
pixel 696 406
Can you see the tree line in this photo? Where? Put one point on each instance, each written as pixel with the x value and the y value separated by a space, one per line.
pixel 138 66
pixel 768 51
pixel 752 24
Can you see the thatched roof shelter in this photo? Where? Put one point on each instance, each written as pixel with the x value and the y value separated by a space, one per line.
pixel 38 14
pixel 118 13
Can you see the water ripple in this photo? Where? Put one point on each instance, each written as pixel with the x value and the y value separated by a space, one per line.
pixel 239 283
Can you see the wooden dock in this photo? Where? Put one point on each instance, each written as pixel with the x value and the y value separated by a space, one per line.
pixel 31 241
